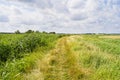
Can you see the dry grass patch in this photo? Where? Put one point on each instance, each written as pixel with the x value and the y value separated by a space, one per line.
pixel 111 37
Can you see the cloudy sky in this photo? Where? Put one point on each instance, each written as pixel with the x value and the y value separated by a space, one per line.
pixel 63 16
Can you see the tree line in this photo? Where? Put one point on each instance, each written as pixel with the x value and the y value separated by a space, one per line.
pixel 32 31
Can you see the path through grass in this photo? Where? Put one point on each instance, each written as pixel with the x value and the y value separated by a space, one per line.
pixel 73 58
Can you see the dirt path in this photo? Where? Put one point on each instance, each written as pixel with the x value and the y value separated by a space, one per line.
pixel 60 63
pixel 74 58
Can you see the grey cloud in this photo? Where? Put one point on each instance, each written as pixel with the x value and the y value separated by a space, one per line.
pixel 4 18
pixel 116 2
pixel 78 17
pixel 38 3
pixel 50 4
pixel 29 1
pixel 17 11
pixel 30 22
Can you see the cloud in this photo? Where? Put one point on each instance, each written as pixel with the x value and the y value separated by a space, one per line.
pixel 78 17
pixel 71 16
pixel 4 18
pixel 37 3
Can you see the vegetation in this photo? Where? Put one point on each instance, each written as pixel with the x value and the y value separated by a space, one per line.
pixel 101 56
pixel 35 56
pixel 16 51
pixel 17 32
pixel 14 46
pixel 78 58
pixel 29 31
pixel 51 32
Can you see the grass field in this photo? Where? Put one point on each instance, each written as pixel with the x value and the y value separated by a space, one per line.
pixel 75 57
pixel 19 52
pixel 111 37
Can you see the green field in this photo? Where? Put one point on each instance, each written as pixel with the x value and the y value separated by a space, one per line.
pixel 39 56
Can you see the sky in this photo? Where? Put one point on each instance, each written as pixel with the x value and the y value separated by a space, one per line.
pixel 61 16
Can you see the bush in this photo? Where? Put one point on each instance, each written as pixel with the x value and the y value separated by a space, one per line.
pixel 5 51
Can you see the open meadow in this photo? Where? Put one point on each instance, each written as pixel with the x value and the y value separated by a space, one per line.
pixel 59 39
pixel 40 56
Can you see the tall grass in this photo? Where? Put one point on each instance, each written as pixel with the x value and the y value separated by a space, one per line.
pixel 15 46
pixel 111 46
pixel 100 56
pixel 85 57
pixel 19 53
pixel 78 58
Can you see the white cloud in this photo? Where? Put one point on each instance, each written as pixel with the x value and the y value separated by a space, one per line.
pixel 60 15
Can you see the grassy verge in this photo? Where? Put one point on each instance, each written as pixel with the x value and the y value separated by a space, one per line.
pixel 100 57
pixel 30 48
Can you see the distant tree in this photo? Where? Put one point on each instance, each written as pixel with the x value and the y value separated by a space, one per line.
pixel 37 31
pixel 52 33
pixel 17 32
pixel 44 32
pixel 29 31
